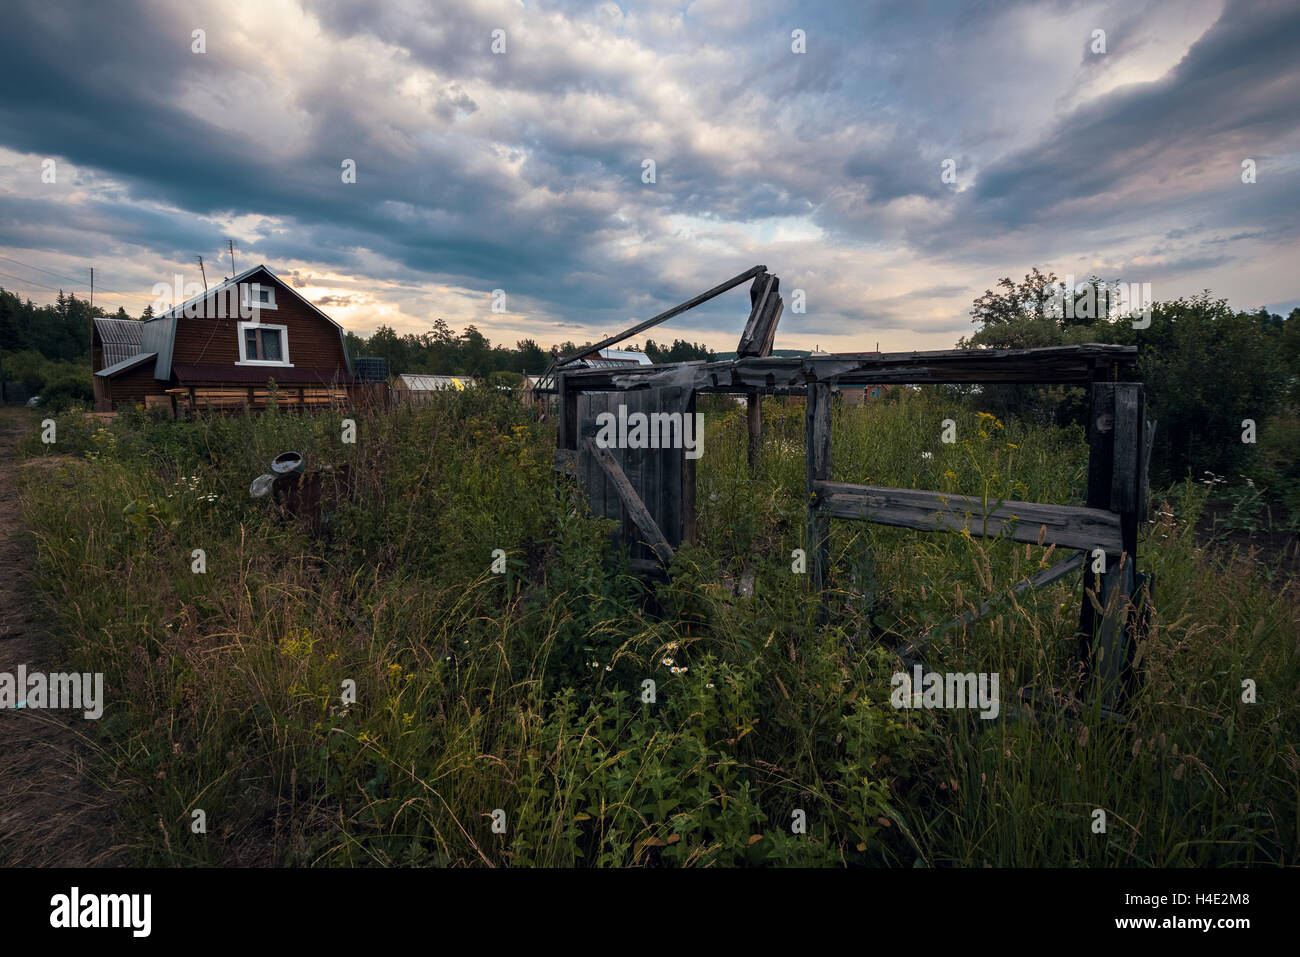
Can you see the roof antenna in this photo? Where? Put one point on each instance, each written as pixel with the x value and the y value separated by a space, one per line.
pixel 202 273
pixel 231 244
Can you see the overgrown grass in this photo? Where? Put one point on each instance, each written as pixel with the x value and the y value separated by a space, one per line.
pixel 525 692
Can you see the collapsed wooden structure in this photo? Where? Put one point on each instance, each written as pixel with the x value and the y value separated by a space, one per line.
pixel 651 491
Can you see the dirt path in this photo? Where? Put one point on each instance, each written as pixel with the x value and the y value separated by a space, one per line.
pixel 51 813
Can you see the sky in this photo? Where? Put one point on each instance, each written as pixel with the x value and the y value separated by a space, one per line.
pixel 890 161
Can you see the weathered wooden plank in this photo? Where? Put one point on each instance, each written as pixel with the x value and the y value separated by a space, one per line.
pixel 1144 479
pixel 754 426
pixel 1064 364
pixel 970 616
pixel 764 284
pixel 667 314
pixel 1101 456
pixel 688 485
pixel 568 411
pixel 1062 525
pixel 770 337
pixel 612 504
pixel 669 465
pixel 1124 476
pixel 817 474
pixel 1112 650
pixel 1116 478
pixel 760 329
pixel 1101 445
pixel 631 501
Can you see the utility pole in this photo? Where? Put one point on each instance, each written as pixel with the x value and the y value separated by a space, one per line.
pixel 202 273
pixel 231 244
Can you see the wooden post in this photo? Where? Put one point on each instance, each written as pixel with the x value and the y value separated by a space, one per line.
pixel 754 418
pixel 818 469
pixel 568 413
pixel 1117 436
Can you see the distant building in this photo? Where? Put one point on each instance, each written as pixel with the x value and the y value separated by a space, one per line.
pixel 858 394
pixel 416 388
pixel 862 395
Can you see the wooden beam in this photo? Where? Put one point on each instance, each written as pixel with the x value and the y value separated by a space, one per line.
pixel 677 310
pixel 770 338
pixel 1114 644
pixel 632 503
pixel 1126 462
pixel 568 411
pixel 760 329
pixel 1053 364
pixel 970 616
pixel 1061 525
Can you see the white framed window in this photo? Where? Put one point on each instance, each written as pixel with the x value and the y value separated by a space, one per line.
pixel 263 345
pixel 257 296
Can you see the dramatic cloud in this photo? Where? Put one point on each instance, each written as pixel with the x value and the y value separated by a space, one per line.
pixel 1118 153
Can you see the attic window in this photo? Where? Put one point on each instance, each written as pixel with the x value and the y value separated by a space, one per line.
pixel 262 345
pixel 258 296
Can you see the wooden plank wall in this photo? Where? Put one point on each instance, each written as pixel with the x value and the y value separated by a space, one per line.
pixel 658 476
pixel 229 398
pixel 314 342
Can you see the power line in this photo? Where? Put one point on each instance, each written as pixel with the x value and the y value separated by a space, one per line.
pixel 50 272
pixel 46 271
pixel 33 282
pixel 30 282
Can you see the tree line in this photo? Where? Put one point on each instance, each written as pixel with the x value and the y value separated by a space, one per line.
pixel 1207 367
pixel 471 353
pixel 46 350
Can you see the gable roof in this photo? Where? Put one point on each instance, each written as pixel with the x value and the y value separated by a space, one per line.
pixel 160 331
pixel 119 338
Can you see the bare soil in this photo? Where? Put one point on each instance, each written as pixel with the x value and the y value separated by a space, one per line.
pixel 53 813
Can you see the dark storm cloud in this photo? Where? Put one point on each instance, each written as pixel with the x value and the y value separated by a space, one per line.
pixel 523 171
pixel 1236 91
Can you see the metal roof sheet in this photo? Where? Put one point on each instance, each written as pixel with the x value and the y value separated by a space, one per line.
pixel 119 339
pixel 124 364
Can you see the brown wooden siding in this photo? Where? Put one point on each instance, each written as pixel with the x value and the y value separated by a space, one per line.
pixel 314 342
pixel 130 387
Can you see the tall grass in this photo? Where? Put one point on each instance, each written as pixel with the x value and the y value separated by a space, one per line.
pixel 525 692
